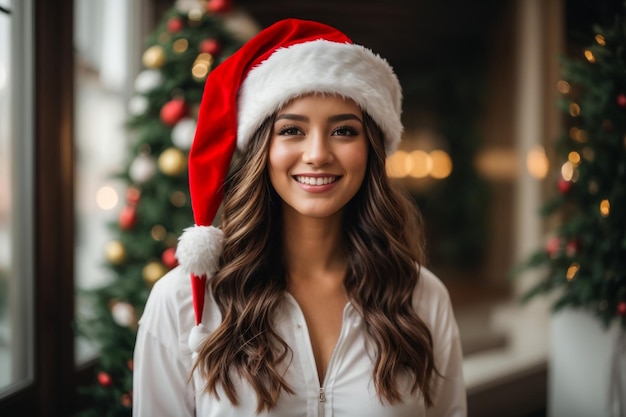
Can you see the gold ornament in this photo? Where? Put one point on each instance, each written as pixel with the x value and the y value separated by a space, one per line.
pixel 153 57
pixel 158 232
pixel 152 272
pixel 115 252
pixel 180 46
pixel 172 162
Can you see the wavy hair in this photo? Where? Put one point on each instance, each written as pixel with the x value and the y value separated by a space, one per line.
pixel 384 246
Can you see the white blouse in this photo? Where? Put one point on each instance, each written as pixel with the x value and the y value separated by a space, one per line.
pixel 163 361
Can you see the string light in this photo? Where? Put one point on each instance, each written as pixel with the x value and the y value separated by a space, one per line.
pixel 537 162
pixel 106 198
pixel 588 153
pixel 572 270
pixel 563 87
pixel 574 158
pixel 574 110
pixel 605 208
pixel 396 164
pixel 600 40
pixel 419 164
pixel 567 171
pixel 578 135
pixel 442 164
pixel 589 56
pixel 422 164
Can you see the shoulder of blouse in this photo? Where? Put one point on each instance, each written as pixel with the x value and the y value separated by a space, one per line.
pixel 168 315
pixel 431 301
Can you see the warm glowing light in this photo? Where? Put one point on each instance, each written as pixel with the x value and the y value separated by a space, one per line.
pixel 567 171
pixel 578 135
pixel 572 270
pixel 180 46
pixel 537 162
pixel 600 39
pixel 397 164
pixel 574 158
pixel 200 70
pixel 605 208
pixel 442 164
pixel 106 198
pixel 589 56
pixel 158 232
pixel 422 164
pixel 178 199
pixel 574 109
pixel 205 57
pixel 563 87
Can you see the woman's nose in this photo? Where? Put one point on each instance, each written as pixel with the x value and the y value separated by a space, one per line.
pixel 317 151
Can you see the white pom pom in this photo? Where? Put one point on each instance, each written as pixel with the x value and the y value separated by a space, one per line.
pixel 196 337
pixel 183 133
pixel 199 250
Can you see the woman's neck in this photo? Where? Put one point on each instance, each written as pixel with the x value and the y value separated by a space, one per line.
pixel 313 247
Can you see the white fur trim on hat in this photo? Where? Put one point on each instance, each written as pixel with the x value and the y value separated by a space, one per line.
pixel 349 70
pixel 199 250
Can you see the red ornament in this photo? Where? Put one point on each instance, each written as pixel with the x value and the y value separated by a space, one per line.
pixel 553 245
pixel 127 218
pixel 169 258
pixel 621 308
pixel 210 46
pixel 130 364
pixel 571 248
pixel 173 111
pixel 132 195
pixel 564 186
pixel 621 100
pixel 174 25
pixel 105 379
pixel 126 400
pixel 219 6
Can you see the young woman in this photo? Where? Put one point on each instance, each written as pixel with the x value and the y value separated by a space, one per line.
pixel 311 299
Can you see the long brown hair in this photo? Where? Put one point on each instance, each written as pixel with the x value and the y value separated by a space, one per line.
pixel 383 238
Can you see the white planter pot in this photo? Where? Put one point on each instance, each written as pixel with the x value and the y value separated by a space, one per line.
pixel 580 365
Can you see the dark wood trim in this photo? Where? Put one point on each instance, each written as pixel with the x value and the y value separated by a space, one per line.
pixel 54 207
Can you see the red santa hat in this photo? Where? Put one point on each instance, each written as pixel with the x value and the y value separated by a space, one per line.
pixel 289 59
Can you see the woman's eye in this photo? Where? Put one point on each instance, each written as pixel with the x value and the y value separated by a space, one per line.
pixel 345 131
pixel 289 131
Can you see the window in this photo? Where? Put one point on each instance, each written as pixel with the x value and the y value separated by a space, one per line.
pixel 16 200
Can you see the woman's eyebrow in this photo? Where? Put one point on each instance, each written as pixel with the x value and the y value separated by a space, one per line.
pixel 290 116
pixel 344 117
pixel 332 119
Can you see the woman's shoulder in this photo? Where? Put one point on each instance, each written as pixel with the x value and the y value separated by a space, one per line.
pixel 168 314
pixel 431 300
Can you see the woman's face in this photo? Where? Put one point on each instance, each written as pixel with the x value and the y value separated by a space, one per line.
pixel 318 154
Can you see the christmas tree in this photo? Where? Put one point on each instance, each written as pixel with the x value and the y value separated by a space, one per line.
pixel 188 43
pixel 585 254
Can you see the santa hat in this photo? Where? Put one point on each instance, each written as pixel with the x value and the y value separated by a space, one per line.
pixel 287 60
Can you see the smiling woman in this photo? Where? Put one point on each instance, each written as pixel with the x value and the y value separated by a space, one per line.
pixel 312 298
